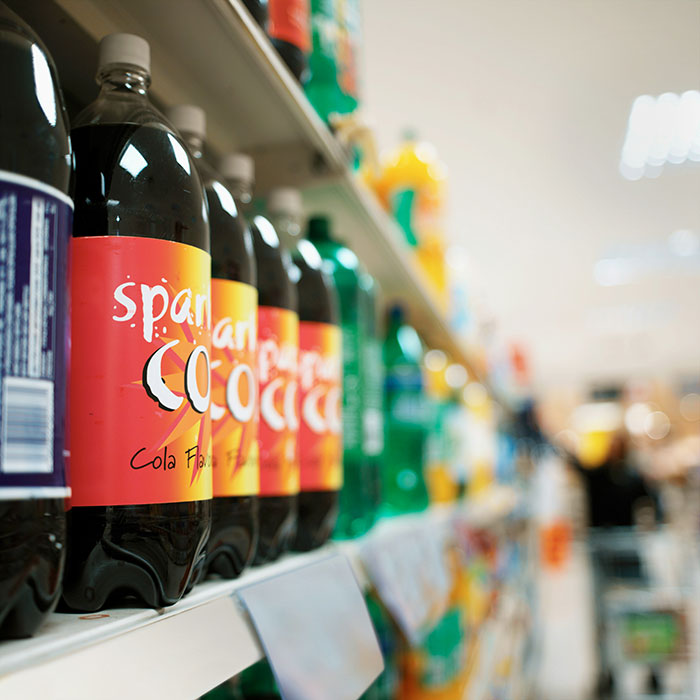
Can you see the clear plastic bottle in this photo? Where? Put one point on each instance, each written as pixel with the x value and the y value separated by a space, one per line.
pixel 278 349
pixel 35 170
pixel 141 329
pixel 320 439
pixel 235 467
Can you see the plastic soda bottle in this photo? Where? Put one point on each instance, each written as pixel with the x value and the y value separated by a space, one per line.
pixel 404 419
pixel 35 226
pixel 140 432
pixel 234 390
pixel 355 516
pixel 289 32
pixel 322 88
pixel 320 375
pixel 349 40
pixel 278 350
pixel 372 383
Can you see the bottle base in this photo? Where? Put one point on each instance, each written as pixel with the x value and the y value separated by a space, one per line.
pixel 32 553
pixel 349 527
pixel 278 521
pixel 234 536
pixel 318 513
pixel 294 58
pixel 146 554
pixel 26 614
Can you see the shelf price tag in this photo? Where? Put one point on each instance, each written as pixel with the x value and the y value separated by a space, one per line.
pixel 409 571
pixel 316 632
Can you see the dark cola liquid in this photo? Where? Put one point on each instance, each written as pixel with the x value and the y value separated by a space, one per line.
pixel 234 523
pixel 317 510
pixel 277 514
pixel 258 10
pixel 33 143
pixel 152 552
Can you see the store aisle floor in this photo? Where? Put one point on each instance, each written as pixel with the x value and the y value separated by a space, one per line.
pixel 566 615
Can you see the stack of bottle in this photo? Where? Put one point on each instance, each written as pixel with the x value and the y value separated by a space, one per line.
pixel 230 397
pixel 205 422
pixel 319 41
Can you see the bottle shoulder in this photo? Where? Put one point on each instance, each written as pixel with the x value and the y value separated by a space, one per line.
pixel 121 107
pixel 340 263
pixel 33 118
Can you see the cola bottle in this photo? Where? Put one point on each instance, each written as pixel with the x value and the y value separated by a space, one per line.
pixel 35 225
pixel 140 429
pixel 235 469
pixel 278 349
pixel 320 376
pixel 288 26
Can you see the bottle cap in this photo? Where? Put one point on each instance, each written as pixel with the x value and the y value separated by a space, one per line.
pixel 124 48
pixel 188 119
pixel 238 166
pixel 319 228
pixel 396 314
pixel 285 200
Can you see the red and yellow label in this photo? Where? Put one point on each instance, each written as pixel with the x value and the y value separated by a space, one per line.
pixel 140 427
pixel 234 388
pixel 288 20
pixel 320 394
pixel 278 350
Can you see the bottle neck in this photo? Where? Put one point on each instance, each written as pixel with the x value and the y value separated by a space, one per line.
pixel 124 78
pixel 318 232
pixel 287 223
pixel 195 144
pixel 242 190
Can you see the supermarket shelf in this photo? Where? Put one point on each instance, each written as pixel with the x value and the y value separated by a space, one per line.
pixel 177 652
pixel 363 225
pixel 211 52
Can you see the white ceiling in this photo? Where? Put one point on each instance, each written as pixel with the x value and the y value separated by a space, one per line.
pixel 527 103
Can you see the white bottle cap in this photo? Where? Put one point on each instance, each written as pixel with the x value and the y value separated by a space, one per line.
pixel 285 200
pixel 188 119
pixel 124 48
pixel 238 166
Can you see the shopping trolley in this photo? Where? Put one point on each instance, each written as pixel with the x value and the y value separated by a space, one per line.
pixel 643 585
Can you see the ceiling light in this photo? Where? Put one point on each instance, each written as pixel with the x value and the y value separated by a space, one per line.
pixel 661 130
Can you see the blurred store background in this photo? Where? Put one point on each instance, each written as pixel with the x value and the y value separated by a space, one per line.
pixel 592 267
pixel 477 225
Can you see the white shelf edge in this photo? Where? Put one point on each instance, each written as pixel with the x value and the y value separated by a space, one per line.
pixel 72 652
pixel 431 319
pixel 269 61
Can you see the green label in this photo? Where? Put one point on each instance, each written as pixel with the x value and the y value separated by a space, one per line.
pixel 442 651
pixel 373 381
pixel 352 391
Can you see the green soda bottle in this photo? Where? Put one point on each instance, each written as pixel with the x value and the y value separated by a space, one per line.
pixel 342 264
pixel 256 683
pixel 322 88
pixel 405 419
pixel 386 685
pixel 442 653
pixel 372 367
